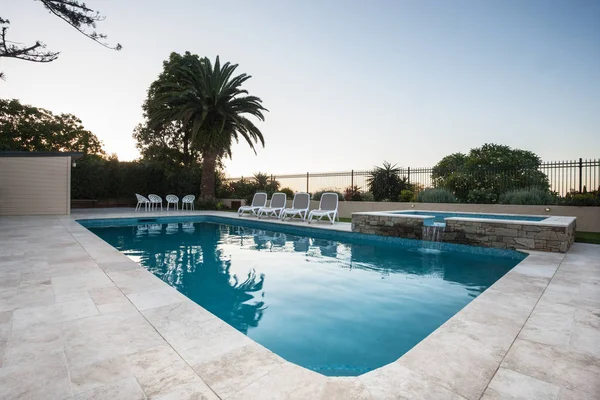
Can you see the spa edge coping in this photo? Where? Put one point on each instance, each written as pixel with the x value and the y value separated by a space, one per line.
pixel 549 221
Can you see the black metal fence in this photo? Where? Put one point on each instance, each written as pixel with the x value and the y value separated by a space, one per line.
pixel 563 177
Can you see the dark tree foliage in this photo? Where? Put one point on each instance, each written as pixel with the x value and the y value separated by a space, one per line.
pixel 28 128
pixel 489 171
pixel 386 183
pixel 167 140
pixel 73 12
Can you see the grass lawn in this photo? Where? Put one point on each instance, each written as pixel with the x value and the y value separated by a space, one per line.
pixel 587 237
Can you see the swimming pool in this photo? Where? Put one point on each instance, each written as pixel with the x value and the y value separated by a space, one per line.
pixel 338 303
pixel 439 217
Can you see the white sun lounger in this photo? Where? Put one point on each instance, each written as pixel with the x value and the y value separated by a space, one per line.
pixel 328 207
pixel 300 206
pixel 258 201
pixel 277 205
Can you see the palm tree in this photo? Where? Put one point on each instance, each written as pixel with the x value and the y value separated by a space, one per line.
pixel 386 183
pixel 210 103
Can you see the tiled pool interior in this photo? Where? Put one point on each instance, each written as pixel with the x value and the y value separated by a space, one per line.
pixel 333 302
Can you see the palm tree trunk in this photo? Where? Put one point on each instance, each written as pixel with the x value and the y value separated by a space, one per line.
pixel 207 186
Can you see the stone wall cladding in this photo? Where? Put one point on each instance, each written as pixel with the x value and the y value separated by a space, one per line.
pixel 488 234
pixel 408 228
pixel 510 236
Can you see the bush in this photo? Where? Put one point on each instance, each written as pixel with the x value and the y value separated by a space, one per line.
pixel 95 178
pixel 436 195
pixel 481 196
pixel 367 196
pixel 352 193
pixel 406 195
pixel 533 196
pixel 581 199
pixel 317 195
pixel 289 192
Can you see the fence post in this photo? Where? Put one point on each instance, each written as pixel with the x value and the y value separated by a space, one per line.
pixel 352 179
pixel 408 175
pixel 307 182
pixel 580 175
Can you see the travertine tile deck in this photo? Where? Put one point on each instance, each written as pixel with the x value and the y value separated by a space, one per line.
pixel 79 320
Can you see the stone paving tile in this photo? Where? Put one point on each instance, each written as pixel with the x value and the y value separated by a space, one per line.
pixel 126 389
pixel 516 283
pixel 156 298
pixel 88 280
pixel 135 281
pixel 585 340
pixel 160 372
pixel 54 313
pixel 111 300
pixel 345 388
pixel 287 382
pixel 233 371
pixel 27 296
pixel 559 366
pixel 179 316
pixel 197 344
pixel 455 361
pixel 85 377
pixel 509 384
pixel 33 343
pixel 395 381
pixel 46 378
pixel 550 323
pixel 105 336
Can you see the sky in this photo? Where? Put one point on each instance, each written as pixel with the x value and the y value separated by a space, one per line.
pixel 348 84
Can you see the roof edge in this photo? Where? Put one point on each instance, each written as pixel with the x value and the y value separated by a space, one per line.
pixel 73 155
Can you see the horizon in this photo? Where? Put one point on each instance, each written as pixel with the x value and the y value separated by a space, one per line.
pixel 348 84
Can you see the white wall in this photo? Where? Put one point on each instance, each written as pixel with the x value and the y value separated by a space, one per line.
pixel 35 185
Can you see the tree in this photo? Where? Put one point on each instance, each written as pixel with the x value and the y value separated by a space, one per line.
pixel 488 171
pixel 386 183
pixel 73 12
pixel 28 128
pixel 211 105
pixel 167 140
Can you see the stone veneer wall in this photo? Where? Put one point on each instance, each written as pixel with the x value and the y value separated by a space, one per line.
pixel 510 236
pixel 488 234
pixel 410 228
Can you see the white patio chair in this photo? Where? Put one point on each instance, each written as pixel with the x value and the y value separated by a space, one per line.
pixel 172 199
pixel 277 205
pixel 300 206
pixel 141 200
pixel 188 201
pixel 328 207
pixel 258 201
pixel 155 200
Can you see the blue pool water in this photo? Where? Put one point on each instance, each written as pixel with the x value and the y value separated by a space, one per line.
pixel 438 217
pixel 341 304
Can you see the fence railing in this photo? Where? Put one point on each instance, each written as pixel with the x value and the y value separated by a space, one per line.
pixel 563 177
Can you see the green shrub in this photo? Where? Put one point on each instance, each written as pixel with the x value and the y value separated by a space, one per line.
pixel 367 196
pixel 581 199
pixel 289 192
pixel 407 195
pixel 481 196
pixel 352 193
pixel 436 195
pixel 317 195
pixel 531 196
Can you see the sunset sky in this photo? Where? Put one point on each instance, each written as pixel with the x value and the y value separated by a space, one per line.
pixel 348 84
